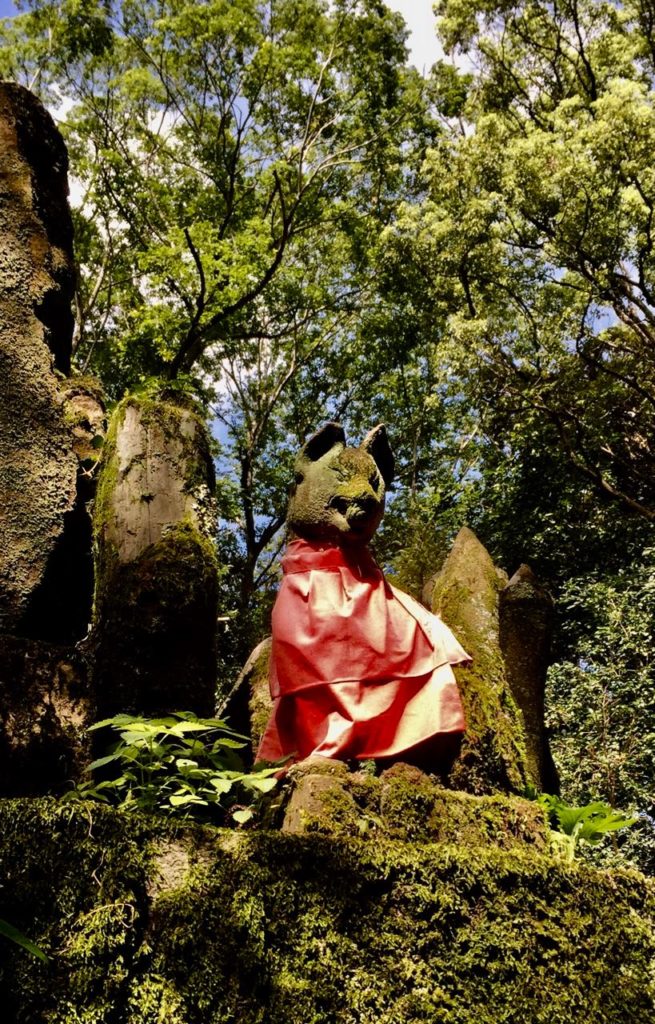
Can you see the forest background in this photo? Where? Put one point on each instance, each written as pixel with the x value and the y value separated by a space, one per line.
pixel 278 214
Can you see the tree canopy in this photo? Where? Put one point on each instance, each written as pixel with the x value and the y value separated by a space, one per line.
pixel 535 239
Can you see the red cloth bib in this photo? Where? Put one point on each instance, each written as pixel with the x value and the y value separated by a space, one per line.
pixel 358 668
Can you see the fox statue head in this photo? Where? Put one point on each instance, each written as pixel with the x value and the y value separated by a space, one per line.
pixel 338 492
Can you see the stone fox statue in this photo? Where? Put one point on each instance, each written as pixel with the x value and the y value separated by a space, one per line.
pixel 358 669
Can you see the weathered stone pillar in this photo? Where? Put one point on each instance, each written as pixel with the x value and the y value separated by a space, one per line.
pixel 526 625
pixel 46 570
pixel 493 755
pixel 156 572
pixel 38 467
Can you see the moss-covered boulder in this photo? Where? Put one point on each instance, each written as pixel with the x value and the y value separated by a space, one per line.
pixel 149 923
pixel 322 797
pixel 493 753
pixel 156 571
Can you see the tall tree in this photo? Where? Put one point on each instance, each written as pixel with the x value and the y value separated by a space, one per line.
pixel 235 164
pixel 536 241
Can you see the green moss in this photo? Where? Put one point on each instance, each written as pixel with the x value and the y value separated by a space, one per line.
pixel 413 807
pixel 259 703
pixel 196 456
pixel 263 927
pixel 405 804
pixel 83 383
pixel 493 754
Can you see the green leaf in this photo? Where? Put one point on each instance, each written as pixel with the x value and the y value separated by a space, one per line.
pixel 117 721
pixel 243 815
pixel 17 936
pixel 184 799
pixel 221 785
pixel 101 761
pixel 263 785
pixel 184 727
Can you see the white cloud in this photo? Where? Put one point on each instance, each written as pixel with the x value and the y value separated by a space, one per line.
pixel 424 46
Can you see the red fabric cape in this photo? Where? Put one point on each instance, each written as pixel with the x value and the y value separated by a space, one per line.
pixel 358 668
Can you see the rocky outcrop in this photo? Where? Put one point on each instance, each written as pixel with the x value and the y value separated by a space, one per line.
pixel 156 572
pixel 493 754
pixel 405 804
pixel 47 423
pixel 147 921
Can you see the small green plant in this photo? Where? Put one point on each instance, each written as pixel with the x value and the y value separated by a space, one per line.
pixel 180 765
pixel 14 935
pixel 572 826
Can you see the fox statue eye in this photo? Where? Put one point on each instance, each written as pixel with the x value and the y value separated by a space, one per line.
pixel 374 479
pixel 298 478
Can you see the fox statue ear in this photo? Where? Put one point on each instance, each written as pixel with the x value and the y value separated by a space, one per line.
pixel 323 441
pixel 376 443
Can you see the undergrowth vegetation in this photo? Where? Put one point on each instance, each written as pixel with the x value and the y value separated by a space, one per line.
pixel 180 766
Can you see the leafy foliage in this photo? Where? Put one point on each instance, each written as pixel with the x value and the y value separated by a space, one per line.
pixel 575 825
pixel 533 244
pixel 601 695
pixel 180 766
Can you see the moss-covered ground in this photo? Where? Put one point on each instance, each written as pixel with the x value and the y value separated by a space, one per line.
pixel 146 922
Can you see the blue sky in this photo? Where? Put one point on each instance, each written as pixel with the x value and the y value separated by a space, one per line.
pixel 6 8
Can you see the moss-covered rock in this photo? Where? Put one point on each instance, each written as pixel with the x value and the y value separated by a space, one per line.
pixel 493 753
pixel 526 613
pixel 156 571
pixel 260 702
pixel 86 417
pixel 405 804
pixel 249 704
pixel 148 923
